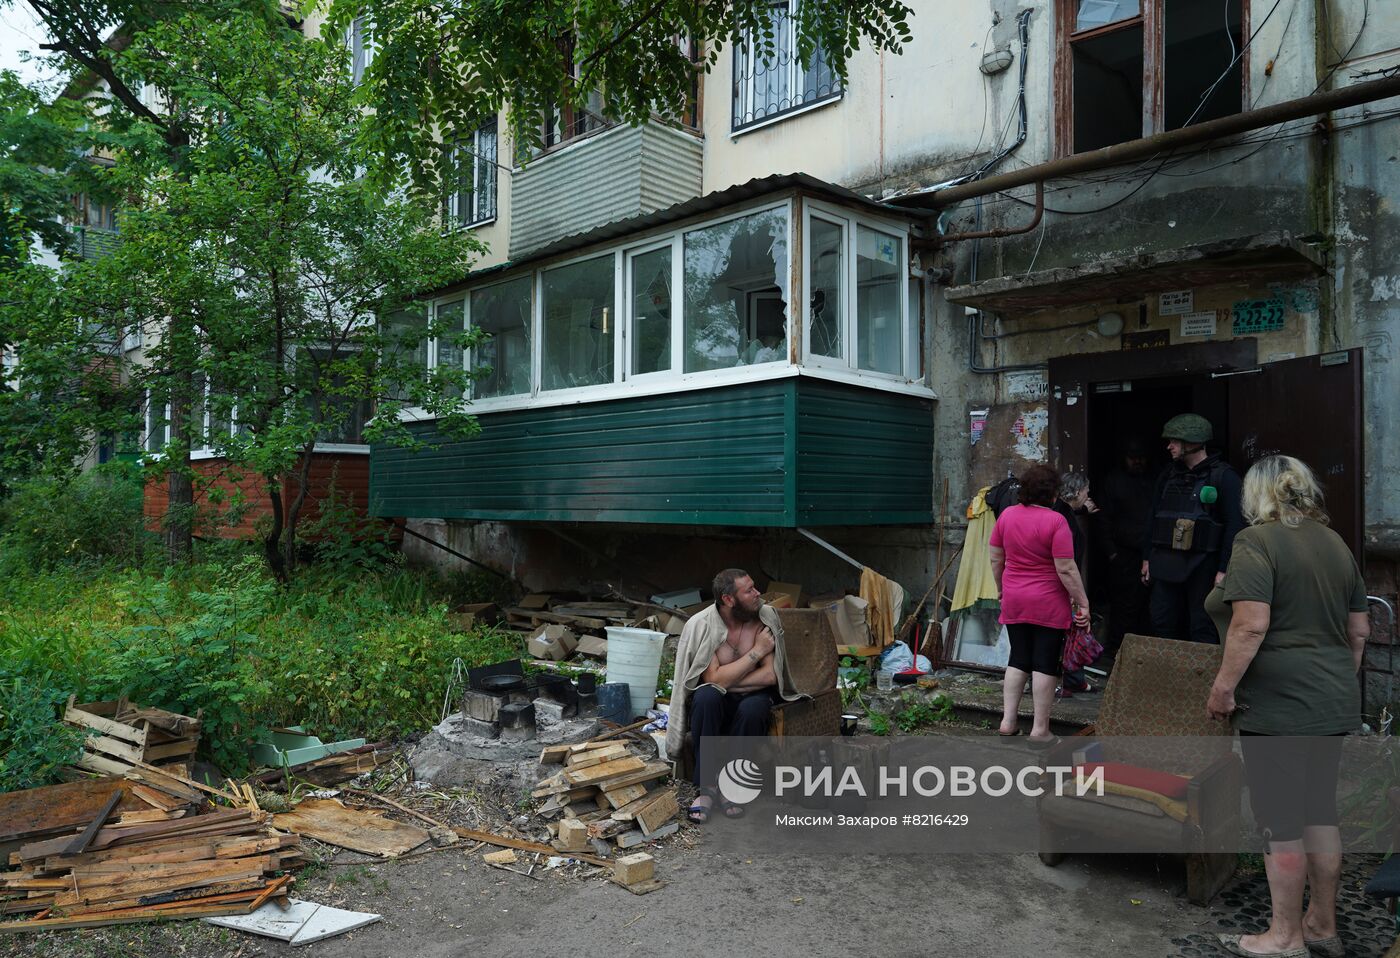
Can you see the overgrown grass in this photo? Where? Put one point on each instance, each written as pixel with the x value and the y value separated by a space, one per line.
pixel 343 650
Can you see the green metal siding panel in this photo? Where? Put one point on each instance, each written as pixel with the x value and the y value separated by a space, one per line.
pixel 712 457
pixel 863 457
pixel 721 456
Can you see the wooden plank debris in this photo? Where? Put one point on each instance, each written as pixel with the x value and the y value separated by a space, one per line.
pixel 163 858
pixel 359 829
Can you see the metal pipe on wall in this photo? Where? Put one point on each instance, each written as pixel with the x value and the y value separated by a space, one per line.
pixel 1120 153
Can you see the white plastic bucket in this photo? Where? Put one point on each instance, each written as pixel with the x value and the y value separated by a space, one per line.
pixel 634 657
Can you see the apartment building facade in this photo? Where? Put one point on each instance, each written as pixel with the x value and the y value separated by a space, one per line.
pixel 772 319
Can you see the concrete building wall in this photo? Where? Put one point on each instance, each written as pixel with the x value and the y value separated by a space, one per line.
pixel 927 115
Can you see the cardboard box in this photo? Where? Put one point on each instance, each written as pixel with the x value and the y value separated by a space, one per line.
pixel 594 646
pixel 791 589
pixel 464 618
pixel 552 642
pixel 778 600
pixel 535 600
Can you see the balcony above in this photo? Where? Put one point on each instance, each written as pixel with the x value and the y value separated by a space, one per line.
pixel 612 175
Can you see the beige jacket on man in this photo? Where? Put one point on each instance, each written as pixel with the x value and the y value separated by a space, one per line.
pixel 703 634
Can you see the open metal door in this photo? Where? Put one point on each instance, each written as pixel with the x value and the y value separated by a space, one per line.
pixel 1309 408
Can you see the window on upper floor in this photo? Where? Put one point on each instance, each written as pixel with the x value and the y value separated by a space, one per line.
pixel 471 196
pixel 770 79
pixel 1131 68
pixel 361 45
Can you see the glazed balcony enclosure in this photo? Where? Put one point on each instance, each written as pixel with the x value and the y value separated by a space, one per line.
pixel 752 357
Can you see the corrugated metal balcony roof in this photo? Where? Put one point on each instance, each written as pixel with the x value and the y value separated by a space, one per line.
pixel 755 189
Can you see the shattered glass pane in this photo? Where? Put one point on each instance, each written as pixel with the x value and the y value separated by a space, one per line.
pixel 579 324
pixel 736 292
pixel 503 310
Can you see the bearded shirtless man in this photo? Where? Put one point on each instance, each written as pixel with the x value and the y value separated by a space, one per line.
pixel 739 686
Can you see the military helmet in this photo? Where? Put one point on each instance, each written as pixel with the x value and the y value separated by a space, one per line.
pixel 1188 427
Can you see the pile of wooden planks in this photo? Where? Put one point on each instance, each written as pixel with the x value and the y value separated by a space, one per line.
pixel 121 735
pixel 602 791
pixel 146 853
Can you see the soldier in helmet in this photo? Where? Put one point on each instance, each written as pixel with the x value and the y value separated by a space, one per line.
pixel 1195 517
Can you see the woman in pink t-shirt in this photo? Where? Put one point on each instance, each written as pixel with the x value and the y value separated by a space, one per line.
pixel 1032 553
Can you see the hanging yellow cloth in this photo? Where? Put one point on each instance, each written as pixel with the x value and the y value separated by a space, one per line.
pixel 976 587
pixel 886 600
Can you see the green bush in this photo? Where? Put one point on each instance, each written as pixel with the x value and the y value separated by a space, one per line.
pixel 34 745
pixel 349 652
pixel 94 516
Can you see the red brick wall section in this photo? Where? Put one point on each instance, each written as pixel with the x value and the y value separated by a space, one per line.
pixel 351 473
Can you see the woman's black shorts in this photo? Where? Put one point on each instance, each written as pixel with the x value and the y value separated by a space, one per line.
pixel 1292 781
pixel 1035 648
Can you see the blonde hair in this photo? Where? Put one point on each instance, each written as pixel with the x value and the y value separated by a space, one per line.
pixel 1282 489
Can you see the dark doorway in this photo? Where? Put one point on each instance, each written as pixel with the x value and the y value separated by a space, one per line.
pixel 1119 411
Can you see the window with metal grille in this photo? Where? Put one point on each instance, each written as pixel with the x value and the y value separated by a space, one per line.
pixel 770 79
pixel 471 195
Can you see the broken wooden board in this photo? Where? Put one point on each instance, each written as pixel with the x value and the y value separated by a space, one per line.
pixel 660 809
pixel 636 836
pixel 472 835
pixel 619 798
pixel 58 809
pixel 600 774
pixel 358 829
pixel 598 756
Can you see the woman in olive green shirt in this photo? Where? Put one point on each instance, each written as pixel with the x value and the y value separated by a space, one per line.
pixel 1293 610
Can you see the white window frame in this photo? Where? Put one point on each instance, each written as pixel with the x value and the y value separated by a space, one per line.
pixel 452 209
pixel 360 59
pixel 147 429
pixel 537 346
pixel 626 383
pixel 743 63
pixel 672 243
pixel 850 222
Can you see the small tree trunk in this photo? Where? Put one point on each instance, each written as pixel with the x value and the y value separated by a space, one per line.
pixel 179 513
pixel 294 510
pixel 272 546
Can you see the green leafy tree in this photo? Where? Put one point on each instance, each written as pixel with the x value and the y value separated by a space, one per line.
pixel 446 65
pixel 256 268
pixel 40 167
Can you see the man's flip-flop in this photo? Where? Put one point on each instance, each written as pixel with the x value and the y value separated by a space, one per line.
pixel 1231 944
pixel 1040 745
pixel 729 809
pixel 1008 734
pixel 700 814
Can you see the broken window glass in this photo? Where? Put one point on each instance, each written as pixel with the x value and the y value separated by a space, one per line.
pixel 1202 73
pixel 825 271
pixel 879 301
pixel 651 311
pixel 503 311
pixel 450 319
pixel 736 292
pixel 406 347
pixel 1093 14
pixel 579 324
